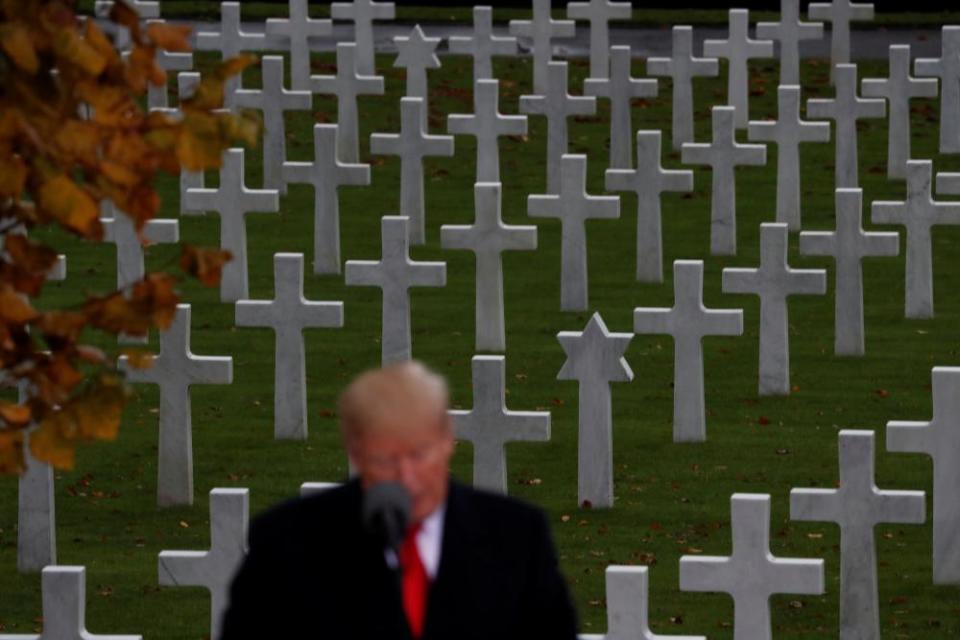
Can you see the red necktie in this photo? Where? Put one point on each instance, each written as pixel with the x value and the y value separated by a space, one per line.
pixel 414 582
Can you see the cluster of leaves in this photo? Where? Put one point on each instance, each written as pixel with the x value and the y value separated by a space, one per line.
pixel 73 133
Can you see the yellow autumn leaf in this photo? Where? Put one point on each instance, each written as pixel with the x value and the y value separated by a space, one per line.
pixel 15 308
pixel 15 415
pixel 11 451
pixel 74 208
pixel 16 43
pixel 13 176
pixel 50 441
pixel 73 48
pixel 200 143
pixel 169 37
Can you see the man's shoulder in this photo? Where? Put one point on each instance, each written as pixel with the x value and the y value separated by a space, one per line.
pixel 495 509
pixel 307 513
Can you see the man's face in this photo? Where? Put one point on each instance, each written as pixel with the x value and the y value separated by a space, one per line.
pixel 417 456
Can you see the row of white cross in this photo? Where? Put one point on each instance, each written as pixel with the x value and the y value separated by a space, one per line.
pixel 750 575
pixel 595 356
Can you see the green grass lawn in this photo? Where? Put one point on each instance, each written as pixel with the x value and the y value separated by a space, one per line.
pixel 671 499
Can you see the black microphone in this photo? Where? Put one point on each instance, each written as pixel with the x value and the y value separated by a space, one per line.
pixel 386 513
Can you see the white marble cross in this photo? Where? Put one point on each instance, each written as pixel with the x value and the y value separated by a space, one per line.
pixel 487 124
pixel 751 574
pixel 573 206
pixel 595 359
pixel 412 145
pixel 688 323
pixel 648 181
pixel 845 110
pixel 599 13
pixel 541 29
pixel 36 507
pixel 738 49
pixel 213 569
pixel 918 214
pixel 628 610
pixel 168 61
pixel 682 67
pixel 489 425
pixel 119 229
pixel 773 282
pixel 347 85
pixel 898 89
pixel 394 274
pixel 947 69
pixel 483 44
pixel 839 13
pixel 232 201
pixel 848 246
pixel 789 32
pixel 857 505
pixel 940 439
pixel 557 104
pixel 488 237
pixel 416 53
pixel 788 131
pixel 187 83
pixel 64 607
pixel 723 156
pixel 174 370
pixel 298 29
pixel 620 88
pixel 231 41
pixel 274 100
pixel 362 13
pixel 326 173
pixel 288 314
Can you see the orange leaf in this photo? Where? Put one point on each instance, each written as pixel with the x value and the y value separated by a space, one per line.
pixel 11 451
pixel 13 176
pixel 99 41
pixel 49 442
pixel 126 16
pixel 98 411
pixel 79 138
pixel 201 142
pixel 73 49
pixel 168 36
pixel 15 415
pixel 70 205
pixel 204 264
pixel 120 174
pixel 14 306
pixel 16 43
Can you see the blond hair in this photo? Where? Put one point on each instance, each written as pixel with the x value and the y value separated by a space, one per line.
pixel 393 399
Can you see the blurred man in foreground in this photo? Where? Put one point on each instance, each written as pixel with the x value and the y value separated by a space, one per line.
pixel 401 551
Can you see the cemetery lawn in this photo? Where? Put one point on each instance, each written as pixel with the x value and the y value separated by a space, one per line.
pixel 671 499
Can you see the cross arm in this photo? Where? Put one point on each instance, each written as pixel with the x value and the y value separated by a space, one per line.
pixel 908 436
pixel 543 206
pixel 737 280
pixel 817 505
pixel 363 273
pixel 183 568
pixel 653 321
pixel 818 243
pixel 385 144
pixel 907 507
pixel 886 212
